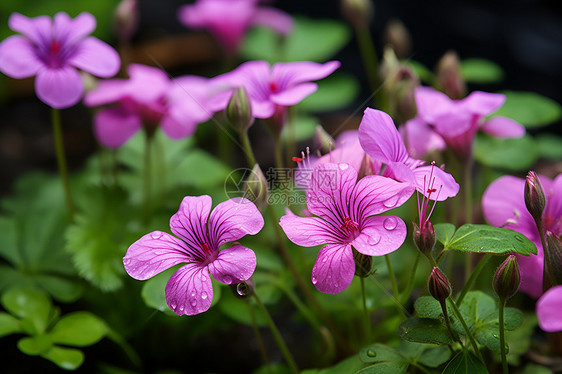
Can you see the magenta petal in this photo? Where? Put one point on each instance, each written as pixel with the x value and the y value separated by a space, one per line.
pixel 294 95
pixel 334 268
pixel 233 265
pixel 375 194
pixel 548 310
pixel 71 31
pixel 273 18
pixel 147 84
pixel 554 203
pixel 190 221
pixel 287 74
pixel 233 219
pixel 97 58
pixel 503 127
pixel 434 178
pixel 59 88
pixel 17 57
pixel 482 103
pixel 175 129
pixel 189 291
pixel 420 138
pixel 152 254
pixel 107 91
pixel 380 235
pixel 531 272
pixel 454 123
pixel 380 139
pixel 308 231
pixel 432 103
pixel 37 29
pixel 114 126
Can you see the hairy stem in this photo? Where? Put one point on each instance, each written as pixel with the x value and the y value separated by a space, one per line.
pixel 61 160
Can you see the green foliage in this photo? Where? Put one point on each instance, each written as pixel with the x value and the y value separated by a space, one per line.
pixel 424 330
pixel 334 92
pixel 311 40
pixel 485 239
pixel 530 109
pixel 549 146
pixel 506 153
pixel 465 362
pixel 477 70
pixel 444 232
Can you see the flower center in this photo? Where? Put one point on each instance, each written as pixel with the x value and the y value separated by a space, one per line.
pixel 350 227
pixel 55 47
pixel 273 86
pixel 209 254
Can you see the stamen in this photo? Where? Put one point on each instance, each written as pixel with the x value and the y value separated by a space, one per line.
pixel 273 86
pixel 298 159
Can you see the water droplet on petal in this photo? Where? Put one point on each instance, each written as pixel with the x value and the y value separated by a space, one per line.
pixel 336 285
pixel 343 166
pixel 390 223
pixel 391 202
pixel 324 259
pixel 126 261
pixel 203 278
pixel 193 302
pixel 314 280
pixel 156 235
pixel 371 353
pixel 204 295
pixel 181 308
pixel 173 305
pixel 193 293
pixel 227 279
pixel 374 238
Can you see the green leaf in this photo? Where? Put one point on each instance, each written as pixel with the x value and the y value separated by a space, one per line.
pixel 549 146
pixel 35 345
pixel 506 153
pixel 305 128
pixel 428 307
pixel 334 92
pixel 434 357
pixel 385 359
pixel 78 329
pixel 29 304
pixel 530 109
pixel 424 330
pixel 444 232
pixel 8 324
pixel 349 365
pixel 200 169
pixel 535 369
pixel 66 358
pixel 465 362
pixel 476 70
pixel 311 40
pixel 490 239
pixel 62 289
pixel 421 70
pixel 519 340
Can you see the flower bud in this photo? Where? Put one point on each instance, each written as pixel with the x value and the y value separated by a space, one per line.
pixel 126 19
pixel 553 254
pixel 244 289
pixel 397 36
pixel 438 285
pixel 357 12
pixel 449 76
pixel 507 278
pixel 239 110
pixel 425 238
pixel 322 140
pixel 534 197
pixel 255 188
pixel 363 264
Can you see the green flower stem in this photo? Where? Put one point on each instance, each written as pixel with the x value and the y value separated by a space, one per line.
pixel 291 128
pixel 410 286
pixel 502 337
pixel 147 175
pixel 371 65
pixel 475 273
pixel 263 350
pixel 247 148
pixel 466 329
pixel 61 160
pixel 395 292
pixel 366 318
pixel 277 336
pixel 547 266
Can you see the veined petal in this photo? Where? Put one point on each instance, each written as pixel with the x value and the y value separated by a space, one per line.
pixel 380 139
pixel 531 272
pixel 234 219
pixel 96 57
pixel 274 19
pixel 380 235
pixel 308 231
pixel 59 88
pixel 435 183
pixel 17 57
pixel 288 74
pixel 375 194
pixel 420 138
pixel 190 221
pixel 233 265
pixel 70 31
pixel 294 95
pixel 114 126
pixel 482 103
pixel 503 127
pixel 548 310
pixel 37 29
pixel 189 291
pixel 334 268
pixel 154 253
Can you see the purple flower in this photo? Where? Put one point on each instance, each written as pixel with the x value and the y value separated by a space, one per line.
pixel 457 121
pixel 189 290
pixel 382 142
pixel 228 20
pixel 548 310
pixel 344 210
pixel 51 50
pixel 503 204
pixel 149 98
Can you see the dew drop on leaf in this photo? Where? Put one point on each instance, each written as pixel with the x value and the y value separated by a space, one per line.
pixel 371 353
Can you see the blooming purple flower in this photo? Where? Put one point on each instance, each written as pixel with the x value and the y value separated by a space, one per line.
pixel 548 310
pixel 457 121
pixel 149 98
pixel 228 20
pixel 344 210
pixel 382 142
pixel 51 50
pixel 201 233
pixel 503 204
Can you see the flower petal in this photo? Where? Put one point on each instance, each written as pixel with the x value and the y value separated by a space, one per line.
pixel 70 31
pixel 96 57
pixel 432 103
pixel 481 103
pixel 288 74
pixel 114 126
pixel 147 84
pixel 548 310
pixel 531 272
pixel 435 183
pixel 59 88
pixel 380 139
pixel 274 19
pixel 233 219
pixel 152 254
pixel 189 290
pixel 503 127
pixel 375 194
pixel 37 29
pixel 334 268
pixel 107 91
pixel 380 235
pixel 308 231
pixel 175 129
pixel 294 95
pixel 17 58
pixel 553 209
pixel 233 265
pixel 190 221
pixel 420 138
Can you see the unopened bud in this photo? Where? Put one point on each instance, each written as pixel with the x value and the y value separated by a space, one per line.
pixel 438 285
pixel 553 254
pixel 239 110
pixel 244 289
pixel 449 76
pixel 322 140
pixel 400 83
pixel 425 238
pixel 357 12
pixel 507 278
pixel 126 19
pixel 397 36
pixel 255 188
pixel 363 264
pixel 534 197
